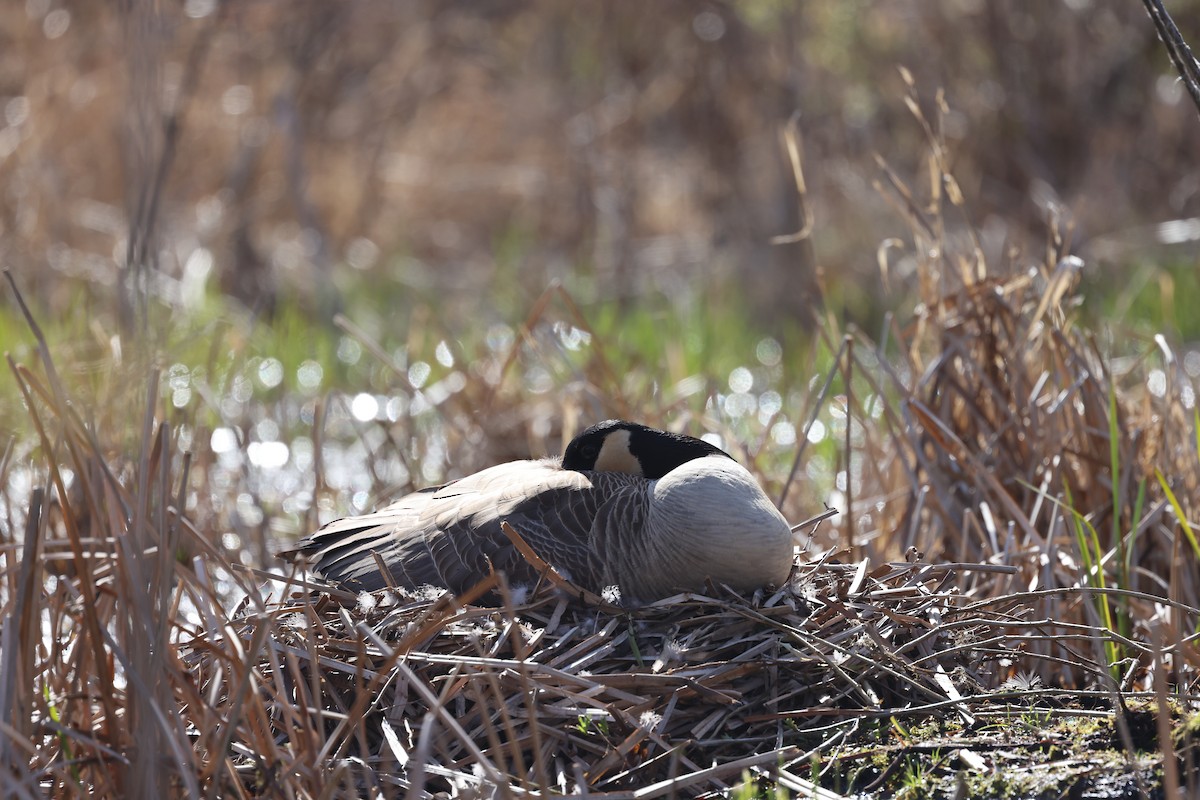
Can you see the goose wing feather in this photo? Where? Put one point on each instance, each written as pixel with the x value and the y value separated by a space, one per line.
pixel 450 536
pixel 621 540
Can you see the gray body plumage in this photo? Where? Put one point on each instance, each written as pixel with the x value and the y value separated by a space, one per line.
pixel 706 519
pixel 448 535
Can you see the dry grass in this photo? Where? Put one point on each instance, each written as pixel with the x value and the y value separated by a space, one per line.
pixel 133 674
pixel 1005 539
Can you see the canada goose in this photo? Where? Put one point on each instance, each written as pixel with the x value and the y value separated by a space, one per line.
pixel 645 510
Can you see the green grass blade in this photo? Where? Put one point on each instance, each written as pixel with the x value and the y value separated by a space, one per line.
pixel 1179 515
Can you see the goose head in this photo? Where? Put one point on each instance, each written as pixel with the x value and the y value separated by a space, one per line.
pixel 616 445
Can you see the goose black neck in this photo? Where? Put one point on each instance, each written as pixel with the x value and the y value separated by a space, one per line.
pixel 655 452
pixel 659 452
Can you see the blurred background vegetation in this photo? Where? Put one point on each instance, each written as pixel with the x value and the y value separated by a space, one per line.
pixel 377 156
pixel 219 180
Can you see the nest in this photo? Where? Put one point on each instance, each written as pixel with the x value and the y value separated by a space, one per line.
pixel 426 695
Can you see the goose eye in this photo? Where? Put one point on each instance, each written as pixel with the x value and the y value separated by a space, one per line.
pixel 591 451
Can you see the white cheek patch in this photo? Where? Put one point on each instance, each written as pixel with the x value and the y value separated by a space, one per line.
pixel 615 456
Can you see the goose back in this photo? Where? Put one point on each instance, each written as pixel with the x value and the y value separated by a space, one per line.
pixel 449 536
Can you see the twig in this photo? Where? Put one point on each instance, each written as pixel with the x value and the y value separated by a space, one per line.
pixel 1177 48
